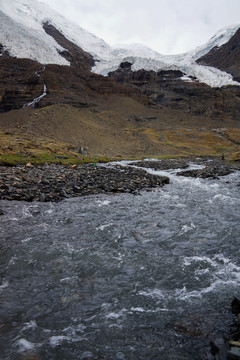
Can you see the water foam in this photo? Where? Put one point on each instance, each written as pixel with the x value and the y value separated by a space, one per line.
pixel 104 226
pixel 29 325
pixel 58 340
pixel 103 202
pixel 4 285
pixel 221 271
pixel 25 345
pixel 208 274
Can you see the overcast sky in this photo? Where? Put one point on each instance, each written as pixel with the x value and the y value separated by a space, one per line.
pixel 168 26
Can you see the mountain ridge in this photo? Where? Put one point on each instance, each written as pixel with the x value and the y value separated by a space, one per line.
pixel 225 57
pixel 106 58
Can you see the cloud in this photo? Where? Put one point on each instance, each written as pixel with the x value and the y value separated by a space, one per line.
pixel 168 26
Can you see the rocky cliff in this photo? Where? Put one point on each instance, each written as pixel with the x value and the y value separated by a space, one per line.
pixel 174 91
pixel 225 57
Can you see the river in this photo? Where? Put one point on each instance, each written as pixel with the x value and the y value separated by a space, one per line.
pixel 123 276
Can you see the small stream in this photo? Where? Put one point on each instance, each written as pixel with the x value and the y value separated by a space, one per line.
pixel 36 100
pixel 121 276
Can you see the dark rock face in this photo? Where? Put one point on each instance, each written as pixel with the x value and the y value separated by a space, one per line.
pixel 18 82
pixel 74 54
pixel 225 57
pixel 3 51
pixel 72 85
pixel 125 65
pixel 125 74
pixel 166 88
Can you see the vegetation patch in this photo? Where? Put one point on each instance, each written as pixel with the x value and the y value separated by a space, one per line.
pixel 197 142
pixel 46 158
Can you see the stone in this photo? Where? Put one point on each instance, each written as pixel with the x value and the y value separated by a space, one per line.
pixel 60 157
pixel 55 182
pixel 82 151
pixel 235 306
pixel 213 171
pixel 234 343
pixel 234 353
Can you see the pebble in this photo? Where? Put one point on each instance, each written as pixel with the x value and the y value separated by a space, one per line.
pixel 211 169
pixel 56 182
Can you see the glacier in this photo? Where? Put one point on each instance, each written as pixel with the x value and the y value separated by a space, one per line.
pixel 23 36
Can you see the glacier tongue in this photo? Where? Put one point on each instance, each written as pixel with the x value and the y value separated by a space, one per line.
pixel 206 74
pixel 22 34
pixel 144 58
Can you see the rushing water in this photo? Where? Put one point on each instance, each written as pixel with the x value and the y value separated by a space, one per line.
pixel 150 276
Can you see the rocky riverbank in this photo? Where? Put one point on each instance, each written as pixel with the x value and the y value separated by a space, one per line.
pixel 211 168
pixel 56 182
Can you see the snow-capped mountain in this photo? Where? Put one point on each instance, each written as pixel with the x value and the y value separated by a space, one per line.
pixel 23 36
pixel 147 59
pixel 22 32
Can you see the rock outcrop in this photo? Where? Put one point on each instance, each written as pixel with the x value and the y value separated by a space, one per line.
pixel 225 57
pixel 73 53
pixel 19 84
pixel 169 89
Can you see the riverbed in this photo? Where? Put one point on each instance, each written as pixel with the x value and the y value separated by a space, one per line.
pixel 122 276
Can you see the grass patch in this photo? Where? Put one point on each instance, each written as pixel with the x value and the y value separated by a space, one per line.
pixel 192 142
pixel 46 158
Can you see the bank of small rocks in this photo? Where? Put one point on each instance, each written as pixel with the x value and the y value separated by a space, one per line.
pixel 213 168
pixel 163 164
pixel 56 182
pixel 210 171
